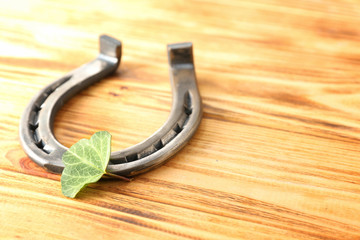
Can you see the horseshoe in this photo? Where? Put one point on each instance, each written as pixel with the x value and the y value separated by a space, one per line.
pixel 36 125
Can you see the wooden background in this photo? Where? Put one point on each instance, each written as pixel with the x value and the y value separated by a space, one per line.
pixel 276 155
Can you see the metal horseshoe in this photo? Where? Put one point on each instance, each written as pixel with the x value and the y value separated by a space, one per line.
pixel 36 126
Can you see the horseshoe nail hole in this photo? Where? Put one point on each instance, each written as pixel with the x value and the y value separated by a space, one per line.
pixel 168 137
pixel 119 160
pixel 148 151
pixel 132 157
pixel 33 127
pixel 40 144
pixel 36 137
pixel 47 149
pixel 182 119
pixel 177 128
pixel 187 100
pixel 36 108
pixel 187 103
pixel 33 120
pixel 159 145
pixel 50 91
pixel 188 111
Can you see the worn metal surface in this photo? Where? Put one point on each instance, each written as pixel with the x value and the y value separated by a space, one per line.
pixel 36 126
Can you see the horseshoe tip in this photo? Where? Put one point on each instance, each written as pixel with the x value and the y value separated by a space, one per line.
pixel 110 46
pixel 180 53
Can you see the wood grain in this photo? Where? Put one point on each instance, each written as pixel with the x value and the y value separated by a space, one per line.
pixel 276 155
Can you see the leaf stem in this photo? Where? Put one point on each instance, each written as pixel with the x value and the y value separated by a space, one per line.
pixel 118 177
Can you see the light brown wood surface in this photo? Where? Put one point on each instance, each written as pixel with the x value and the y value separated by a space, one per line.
pixel 277 154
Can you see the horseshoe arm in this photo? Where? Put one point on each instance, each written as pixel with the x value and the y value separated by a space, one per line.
pixel 182 123
pixel 36 125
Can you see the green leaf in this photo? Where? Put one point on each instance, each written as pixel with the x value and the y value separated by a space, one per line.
pixel 85 162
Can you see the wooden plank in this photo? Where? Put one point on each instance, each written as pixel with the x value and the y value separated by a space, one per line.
pixel 277 152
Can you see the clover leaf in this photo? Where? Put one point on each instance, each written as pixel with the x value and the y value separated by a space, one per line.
pixel 85 162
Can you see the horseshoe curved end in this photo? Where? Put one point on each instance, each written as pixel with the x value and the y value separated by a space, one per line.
pixel 183 121
pixel 40 144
